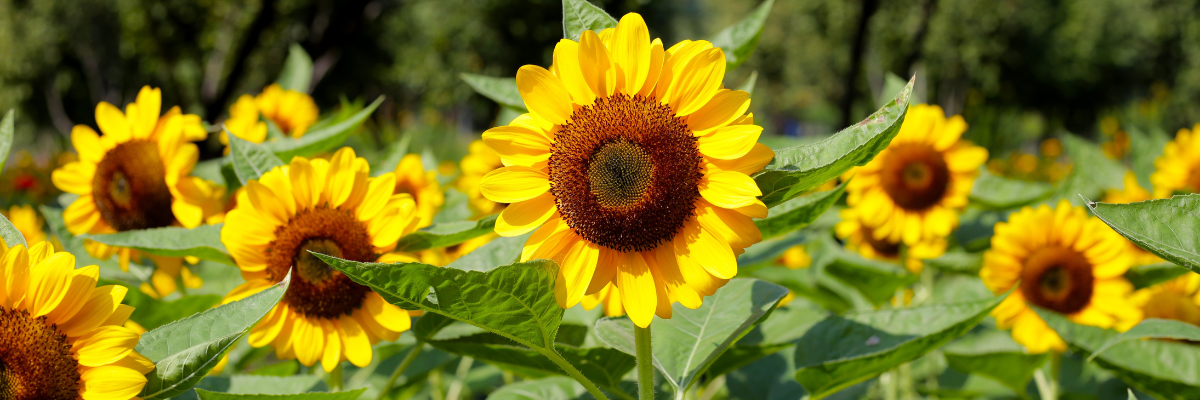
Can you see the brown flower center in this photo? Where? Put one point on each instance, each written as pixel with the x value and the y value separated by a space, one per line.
pixel 882 247
pixel 1059 279
pixel 624 172
pixel 915 176
pixel 35 360
pixel 316 289
pixel 130 187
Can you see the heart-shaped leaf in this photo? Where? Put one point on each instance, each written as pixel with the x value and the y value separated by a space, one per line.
pixel 500 90
pixel 250 161
pixel 446 234
pixel 1169 228
pixel 321 138
pixel 798 212
pixel 297 70
pixel 739 40
pixel 203 242
pixel 580 16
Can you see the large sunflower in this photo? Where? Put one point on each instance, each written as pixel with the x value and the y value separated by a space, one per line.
pixel 480 160
pixel 912 191
pixel 61 336
pixel 291 111
pixel 1064 261
pixel 1177 299
pixel 1178 168
pixel 332 207
pixel 633 168
pixel 27 220
pixel 411 178
pixel 135 176
pixel 867 242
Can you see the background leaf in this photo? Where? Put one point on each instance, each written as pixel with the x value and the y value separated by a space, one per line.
pixel 501 90
pixel 1002 193
pixel 739 40
pixel 1169 228
pixel 350 395
pixel 798 212
pixel 6 136
pixel 877 280
pixel 1153 328
pixel 203 242
pixel 1144 276
pixel 10 234
pixel 499 251
pixel 995 355
pixel 552 388
pixel 581 15
pixel 250 161
pixel 152 313
pixel 297 70
pixel 322 139
pixel 446 234
pixel 1101 173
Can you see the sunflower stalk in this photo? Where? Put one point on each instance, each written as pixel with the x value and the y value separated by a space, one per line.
pixel 574 373
pixel 408 360
pixel 645 364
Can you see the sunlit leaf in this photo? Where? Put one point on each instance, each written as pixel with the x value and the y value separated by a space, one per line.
pixel 798 212
pixel 875 279
pixel 995 355
pixel 250 161
pixel 499 251
pixel 552 388
pixel 203 242
pixel 739 40
pixel 446 234
pixel 501 90
pixel 321 139
pixel 10 234
pixel 297 70
pixel 1169 228
pixel 581 15
pixel 1101 173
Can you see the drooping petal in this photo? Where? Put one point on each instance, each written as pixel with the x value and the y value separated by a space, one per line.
pixel 636 286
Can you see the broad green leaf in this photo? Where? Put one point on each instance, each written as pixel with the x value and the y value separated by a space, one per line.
pixel 1000 193
pixel 843 350
pixel 501 90
pixel 1153 328
pixel 798 169
pixel 959 262
pixel 739 40
pixel 581 15
pixel 1144 276
pixel 1169 228
pixel 9 233
pixel 350 395
pixel 803 283
pixel 446 234
pixel 499 251
pixel 770 378
pixel 250 161
pixel 552 388
pixel 1163 369
pixel 798 212
pixel 152 313
pixel 74 245
pixel 203 242
pixel 1102 173
pixel 6 136
pixel 995 355
pixel 318 140
pixel 1131 396
pixel 687 344
pixel 602 366
pixel 748 86
pixel 781 331
pixel 875 279
pixel 185 350
pixel 297 70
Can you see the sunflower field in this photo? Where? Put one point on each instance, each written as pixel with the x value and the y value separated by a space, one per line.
pixel 624 228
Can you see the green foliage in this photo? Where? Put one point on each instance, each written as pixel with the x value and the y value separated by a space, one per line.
pixel 552 388
pixel 738 41
pixel 297 70
pixel 1000 193
pixel 875 279
pixel 501 90
pixel 320 138
pixel 1169 228
pixel 959 262
pixel 1155 329
pixel 798 212
pixel 581 15
pixel 152 313
pixel 350 395
pixel 500 251
pixel 203 242
pixel 6 136
pixel 446 234
pixel 1100 173
pixel 10 234
pixel 1144 276
pixel 250 161
pixel 995 355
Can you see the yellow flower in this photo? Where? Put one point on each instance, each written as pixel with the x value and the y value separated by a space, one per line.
pixel 135 176
pixel 27 220
pixel 632 167
pixel 60 335
pixel 411 178
pixel 293 112
pixel 795 257
pixel 481 160
pixel 1178 169
pixel 1133 193
pixel 332 207
pixel 441 256
pixel 1063 261
pixel 609 297
pixel 869 243
pixel 912 191
pixel 1177 299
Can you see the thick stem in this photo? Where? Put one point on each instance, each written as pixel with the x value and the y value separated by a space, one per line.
pixel 574 373
pixel 645 363
pixel 408 360
pixel 334 379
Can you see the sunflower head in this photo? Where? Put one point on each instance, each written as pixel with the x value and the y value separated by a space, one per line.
pixel 244 123
pixel 1062 260
pixel 61 337
pixel 1178 168
pixel 633 168
pixel 293 112
pixel 412 179
pixel 480 160
pixel 870 243
pixel 912 190
pixel 331 207
pixel 795 257
pixel 27 220
pixel 1177 299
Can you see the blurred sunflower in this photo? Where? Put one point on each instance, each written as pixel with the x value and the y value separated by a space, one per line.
pixel 795 257
pixel 332 207
pixel 480 160
pixel 442 256
pixel 27 220
pixel 60 335
pixel 1132 193
pixel 912 191
pixel 1177 299
pixel 867 242
pixel 632 167
pixel 1063 261
pixel 135 176
pixel 1178 169
pixel 411 178
pixel 293 112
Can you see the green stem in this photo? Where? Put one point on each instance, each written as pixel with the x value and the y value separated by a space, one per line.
pixel 574 373
pixel 408 360
pixel 334 379
pixel 645 363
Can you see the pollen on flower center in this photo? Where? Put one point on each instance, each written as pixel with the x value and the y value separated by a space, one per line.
pixel 624 172
pixel 35 359
pixel 130 187
pixel 1059 279
pixel 316 289
pixel 915 176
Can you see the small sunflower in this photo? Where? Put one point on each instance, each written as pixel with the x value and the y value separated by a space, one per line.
pixel 411 178
pixel 1133 193
pixel 1177 299
pixel 912 191
pixel 868 242
pixel 61 336
pixel 135 176
pixel 479 162
pixel 1061 260
pixel 633 168
pixel 1178 169
pixel 795 257
pixel 293 112
pixel 332 207
pixel 27 220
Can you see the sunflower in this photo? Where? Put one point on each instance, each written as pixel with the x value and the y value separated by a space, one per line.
pixel 1178 169
pixel 291 111
pixel 60 335
pixel 441 256
pixel 632 167
pixel 332 207
pixel 1061 260
pixel 1177 299
pixel 1133 193
pixel 479 162
pixel 795 257
pixel 411 178
pixel 135 176
pixel 868 242
pixel 27 220
pixel 912 191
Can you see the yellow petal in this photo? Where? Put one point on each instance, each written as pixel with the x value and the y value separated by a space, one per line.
pixel 636 286
pixel 677 57
pixel 550 232
pixel 111 382
pixel 758 157
pixel 333 345
pixel 105 345
pixel 697 82
pixel 544 94
pixel 666 265
pixel 706 249
pixel 657 57
pixel 631 51
pixel 75 177
pixel 566 64
pixel 87 144
pixel 729 189
pixel 105 300
pixel 112 122
pixel 518 145
pixel 355 343
pixel 730 142
pixel 725 107
pixel 48 283
pixel 520 218
pixel 149 105
pixel 596 66
pixel 514 184
pixel 575 273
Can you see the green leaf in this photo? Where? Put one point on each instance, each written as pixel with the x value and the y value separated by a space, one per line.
pixel 10 234
pixel 602 366
pixel 1144 276
pixel 185 350
pixel 843 350
pixel 552 388
pixel 1169 228
pixel 1101 172
pixel 446 234
pixel 318 140
pixel 781 331
pixel 961 262
pixel 803 283
pixel 580 15
pixel 893 84
pixel 350 395
pixel 1162 369
pixel 739 40
pixel 499 251
pixel 1000 193
pixel 877 280
pixel 501 90
pixel 1144 147
pixel 798 212
pixel 297 70
pixel 203 242
pixel 74 245
pixel 995 355
pixel 6 136
pixel 748 85
pixel 1153 328
pixel 1131 396
pixel 250 160
pixel 152 313
pixel 258 384
pixel 798 169
pixel 686 345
